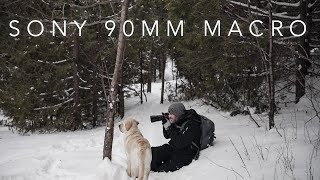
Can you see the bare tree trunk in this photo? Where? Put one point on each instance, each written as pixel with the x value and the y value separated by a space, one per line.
pixel 95 93
pixel 150 70
pixel 95 80
pixel 162 67
pixel 76 111
pixel 271 70
pixel 121 95
pixel 175 75
pixel 108 139
pixel 154 70
pixel 302 64
pixel 141 76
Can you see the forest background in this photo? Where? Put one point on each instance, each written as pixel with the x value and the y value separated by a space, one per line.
pixel 59 83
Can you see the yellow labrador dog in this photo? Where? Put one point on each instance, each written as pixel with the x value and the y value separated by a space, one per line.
pixel 137 149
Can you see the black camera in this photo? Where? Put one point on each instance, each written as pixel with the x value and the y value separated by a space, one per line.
pixel 164 117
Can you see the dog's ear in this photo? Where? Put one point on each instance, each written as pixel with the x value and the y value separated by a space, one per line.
pixel 128 125
pixel 136 122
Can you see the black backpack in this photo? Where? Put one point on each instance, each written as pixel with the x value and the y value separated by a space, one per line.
pixel 207 133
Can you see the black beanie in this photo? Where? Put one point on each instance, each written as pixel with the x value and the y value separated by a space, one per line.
pixel 177 109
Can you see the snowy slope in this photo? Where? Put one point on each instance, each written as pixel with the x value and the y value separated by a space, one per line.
pixel 242 151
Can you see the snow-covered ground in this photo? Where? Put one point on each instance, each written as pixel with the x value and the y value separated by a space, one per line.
pixel 241 151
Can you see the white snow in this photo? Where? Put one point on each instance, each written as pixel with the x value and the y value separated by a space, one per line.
pixel 256 154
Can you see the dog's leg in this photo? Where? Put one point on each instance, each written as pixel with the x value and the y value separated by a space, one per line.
pixel 146 172
pixel 129 166
pixel 146 175
pixel 147 161
pixel 141 165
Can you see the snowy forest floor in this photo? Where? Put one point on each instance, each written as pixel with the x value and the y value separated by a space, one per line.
pixel 241 151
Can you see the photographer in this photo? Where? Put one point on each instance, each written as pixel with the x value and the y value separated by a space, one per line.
pixel 184 141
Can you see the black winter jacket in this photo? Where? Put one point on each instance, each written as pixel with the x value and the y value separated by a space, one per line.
pixel 181 139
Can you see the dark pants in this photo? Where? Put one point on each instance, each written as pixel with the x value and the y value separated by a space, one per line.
pixel 164 159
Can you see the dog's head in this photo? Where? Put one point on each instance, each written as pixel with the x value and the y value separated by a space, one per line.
pixel 128 124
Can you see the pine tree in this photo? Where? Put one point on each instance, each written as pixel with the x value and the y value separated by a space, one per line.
pixel 53 82
pixel 297 47
pixel 215 66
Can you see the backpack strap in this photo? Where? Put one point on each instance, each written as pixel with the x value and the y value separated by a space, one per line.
pixel 184 123
pixel 198 152
pixel 181 128
pixel 195 145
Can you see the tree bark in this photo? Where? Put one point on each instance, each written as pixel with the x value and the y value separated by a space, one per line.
pixel 150 73
pixel 154 70
pixel 302 64
pixel 271 70
pixel 76 111
pixel 108 139
pixel 141 76
pixel 162 67
pixel 95 93
pixel 121 95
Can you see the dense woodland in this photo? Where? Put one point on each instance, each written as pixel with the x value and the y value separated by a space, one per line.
pixel 59 83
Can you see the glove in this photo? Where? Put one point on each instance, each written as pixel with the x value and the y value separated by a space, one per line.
pixel 167 125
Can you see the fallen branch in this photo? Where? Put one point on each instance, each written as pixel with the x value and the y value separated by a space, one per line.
pixel 252 118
